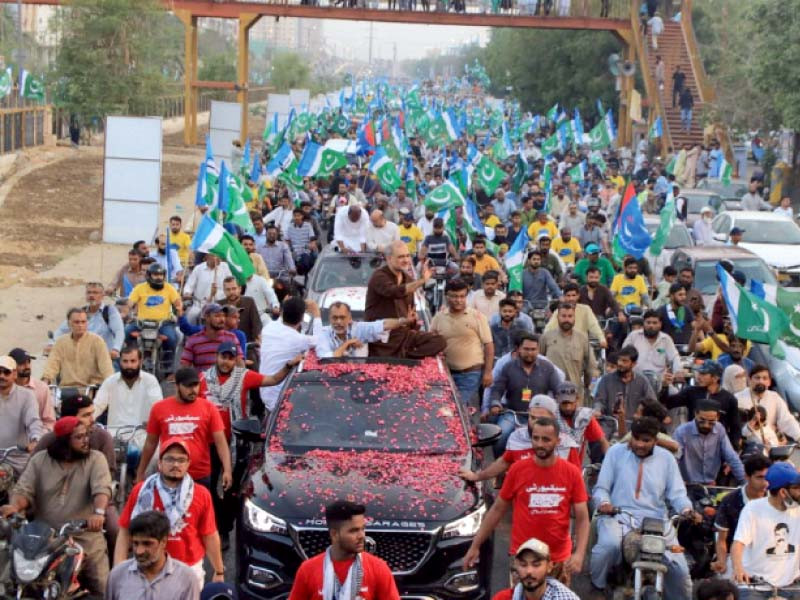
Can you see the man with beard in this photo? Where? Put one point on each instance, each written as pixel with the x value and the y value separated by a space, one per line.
pixel 578 425
pixel 19 415
pixel 344 337
pixel 276 254
pixel 425 223
pixel 193 419
pixel 676 317
pixel 569 349
pixel 734 356
pixel 538 284
pixel 44 399
pixel 167 258
pixel 705 447
pixel 128 277
pixel 390 295
pixel 503 327
pixel 593 259
pixel 249 244
pixel 534 568
pixel 520 320
pixel 543 493
pixel 69 481
pixel 643 480
pixel 193 531
pixel 104 320
pixel 152 572
pixel 466 271
pixel 619 393
pixel 585 320
pixel 344 569
pixel 708 377
pixel 249 319
pixel 779 417
pixel 201 348
pixel 629 288
pixel 657 352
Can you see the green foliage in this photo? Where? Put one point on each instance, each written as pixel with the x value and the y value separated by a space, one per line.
pixel 116 56
pixel 290 70
pixel 218 67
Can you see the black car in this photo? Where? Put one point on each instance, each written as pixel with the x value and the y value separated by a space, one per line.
pixel 385 432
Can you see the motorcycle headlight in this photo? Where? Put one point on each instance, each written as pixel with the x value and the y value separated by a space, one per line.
pixel 466 526
pixel 28 570
pixel 652 544
pixel 260 520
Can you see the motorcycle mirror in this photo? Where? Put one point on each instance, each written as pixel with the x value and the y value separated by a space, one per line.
pixel 248 429
pixel 488 434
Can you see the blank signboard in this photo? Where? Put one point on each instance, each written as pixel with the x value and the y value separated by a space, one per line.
pixel 131 178
pixel 278 103
pixel 225 126
pixel 299 99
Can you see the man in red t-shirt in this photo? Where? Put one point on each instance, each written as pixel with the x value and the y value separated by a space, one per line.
pixel 542 492
pixel 193 531
pixel 534 569
pixel 193 419
pixel 332 573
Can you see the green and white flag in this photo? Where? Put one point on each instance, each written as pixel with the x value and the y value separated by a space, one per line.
pixel 30 87
pixel 725 171
pixel 237 211
pixel 6 82
pixel 670 168
pixel 665 226
pixel 550 145
pixel 489 175
pixel 212 238
pixel 515 260
pixel 444 197
pixel 384 169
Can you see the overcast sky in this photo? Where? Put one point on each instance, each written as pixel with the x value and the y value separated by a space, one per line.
pixel 413 41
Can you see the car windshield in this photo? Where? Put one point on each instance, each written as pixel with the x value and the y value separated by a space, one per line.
pixel 778 231
pixel 343 271
pixel 678 236
pixel 731 190
pixel 705 273
pixel 362 415
pixel 697 202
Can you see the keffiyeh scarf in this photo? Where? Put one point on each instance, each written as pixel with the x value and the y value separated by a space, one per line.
pixel 332 589
pixel 176 502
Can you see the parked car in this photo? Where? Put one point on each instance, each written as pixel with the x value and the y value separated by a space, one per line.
pixel 336 270
pixel 727 191
pixel 696 200
pixel 774 238
pixel 679 237
pixel 388 432
pixel 703 260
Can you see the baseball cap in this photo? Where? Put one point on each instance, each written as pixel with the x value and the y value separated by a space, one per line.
pixel 173 441
pixel 218 591
pixel 229 309
pixel 782 474
pixel 538 547
pixel 227 348
pixel 711 367
pixel 737 231
pixel 543 401
pixel 567 391
pixel 592 248
pixel 6 362
pixel 187 376
pixel 543 235
pixel 211 308
pixel 20 356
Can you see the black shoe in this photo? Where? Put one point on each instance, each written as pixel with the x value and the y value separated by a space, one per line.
pixel 225 540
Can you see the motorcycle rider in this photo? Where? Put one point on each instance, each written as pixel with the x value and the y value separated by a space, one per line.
pixel 619 393
pixel 779 417
pixel 585 319
pixel 79 359
pixel 657 483
pixel 19 415
pixel 676 316
pixel 204 284
pixel 104 320
pixel 538 284
pixel 578 425
pixel 762 546
pixel 629 288
pixel 44 398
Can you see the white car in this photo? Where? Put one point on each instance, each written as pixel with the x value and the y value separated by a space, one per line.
pixel 679 237
pixel 774 238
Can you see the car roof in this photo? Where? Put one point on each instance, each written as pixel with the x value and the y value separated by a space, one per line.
pixel 718 252
pixel 356 298
pixel 758 215
pixel 698 192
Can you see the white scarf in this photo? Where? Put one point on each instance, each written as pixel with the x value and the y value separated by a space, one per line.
pixel 519 593
pixel 175 510
pixel 349 590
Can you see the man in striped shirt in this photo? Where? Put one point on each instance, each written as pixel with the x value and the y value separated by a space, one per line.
pixel 200 350
pixel 302 242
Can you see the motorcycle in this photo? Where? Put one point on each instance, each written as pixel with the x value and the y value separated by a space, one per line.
pixel 43 563
pixel 698 538
pixel 7 472
pixel 59 393
pixel 538 314
pixel 434 291
pixel 643 567
pixel 127 452
pixel 150 342
pixel 764 587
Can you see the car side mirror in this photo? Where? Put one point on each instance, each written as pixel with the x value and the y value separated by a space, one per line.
pixel 488 434
pixel 249 430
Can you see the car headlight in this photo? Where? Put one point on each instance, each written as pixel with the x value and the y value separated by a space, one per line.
pixel 466 526
pixel 652 544
pixel 260 520
pixel 28 570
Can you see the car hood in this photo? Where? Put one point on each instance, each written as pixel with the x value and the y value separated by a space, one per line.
pixel 416 490
pixel 781 256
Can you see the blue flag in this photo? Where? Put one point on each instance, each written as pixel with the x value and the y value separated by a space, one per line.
pixel 224 195
pixel 630 233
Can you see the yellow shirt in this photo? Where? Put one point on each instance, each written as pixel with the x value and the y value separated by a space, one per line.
pixel 487 262
pixel 536 228
pixel 411 236
pixel 566 250
pixel 181 241
pixel 466 335
pixel 619 181
pixel 628 291
pixel 709 346
pixel 153 305
pixel 491 221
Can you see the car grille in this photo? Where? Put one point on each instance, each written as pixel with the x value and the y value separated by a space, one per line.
pixel 402 551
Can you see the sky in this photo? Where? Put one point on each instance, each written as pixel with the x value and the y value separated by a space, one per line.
pixel 413 41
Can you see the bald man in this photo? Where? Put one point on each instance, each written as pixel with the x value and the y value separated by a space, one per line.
pixel 350 229
pixel 380 232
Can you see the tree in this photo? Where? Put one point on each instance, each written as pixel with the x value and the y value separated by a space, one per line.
pixel 116 56
pixel 290 70
pixel 218 67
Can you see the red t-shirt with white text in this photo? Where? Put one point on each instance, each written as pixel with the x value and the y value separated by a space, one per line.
pixel 377 583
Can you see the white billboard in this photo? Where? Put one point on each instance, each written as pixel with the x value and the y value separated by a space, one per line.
pixel 225 126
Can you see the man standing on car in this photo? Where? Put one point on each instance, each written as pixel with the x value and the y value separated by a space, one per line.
pixel 344 570
pixel 390 295
pixel 543 493
pixel 470 347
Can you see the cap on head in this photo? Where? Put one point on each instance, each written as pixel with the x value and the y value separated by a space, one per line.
pixel 218 591
pixel 20 356
pixel 227 348
pixel 737 231
pixel 710 367
pixel 170 442
pixel 187 376
pixel 543 236
pixel 538 547
pixel 65 426
pixel 782 474
pixel 211 308
pixel 567 392
pixel 592 248
pixel 6 362
pixel 228 309
pixel 543 401
pixel 706 209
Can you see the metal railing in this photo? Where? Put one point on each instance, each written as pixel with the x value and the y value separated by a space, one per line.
pixel 22 127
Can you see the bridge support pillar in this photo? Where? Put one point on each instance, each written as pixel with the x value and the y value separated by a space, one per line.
pixel 189 77
pixel 246 21
pixel 625 129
